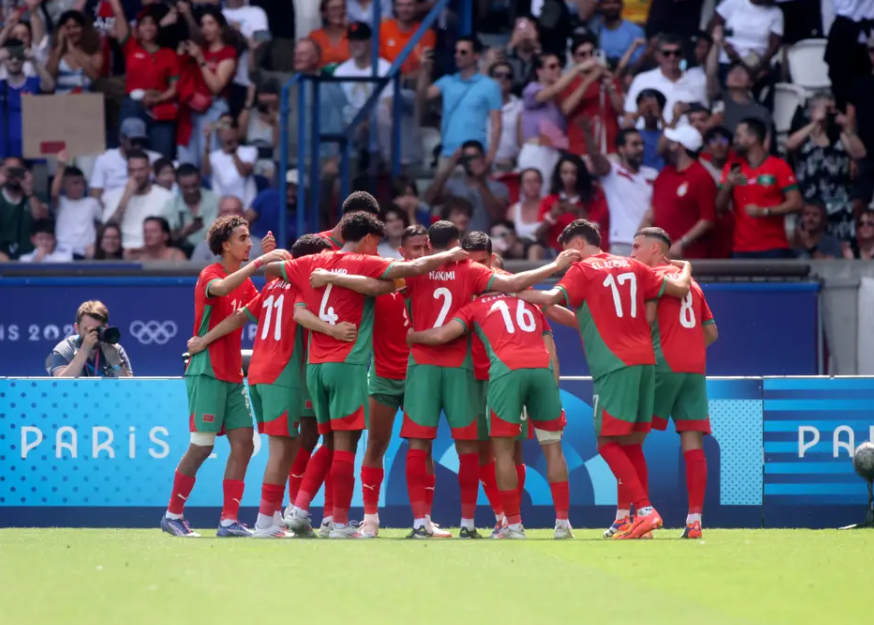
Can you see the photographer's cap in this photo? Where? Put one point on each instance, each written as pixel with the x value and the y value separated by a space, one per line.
pixel 134 128
pixel 359 31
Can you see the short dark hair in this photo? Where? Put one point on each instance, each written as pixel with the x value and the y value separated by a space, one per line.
pixel 473 41
pixel 580 39
pixel 756 127
pixel 655 233
pixel 357 225
pixel 697 107
pixel 161 221
pixel 718 131
pixel 136 153
pixel 477 241
pixel 397 210
pixel 400 184
pixel 442 233
pixel 581 228
pixel 504 222
pixel 702 34
pixel 670 39
pixel 473 143
pixel 360 202
pixel 73 172
pixel 187 169
pixel 43 226
pixel 413 231
pixel 163 163
pixel 453 202
pixel 622 137
pixel 221 230
pixel 505 64
pixel 652 93
pixel 309 244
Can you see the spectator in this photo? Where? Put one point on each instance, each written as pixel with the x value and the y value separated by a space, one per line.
pixel 230 168
pixel 860 94
pixel 77 213
pixel 151 76
pixel 665 16
pixel 362 10
pixel 396 221
pixel 84 354
pixel 524 214
pixel 460 212
pixel 571 196
pixel 139 198
pixel 703 44
pixel 471 103
pixel 698 116
pixel 19 208
pixel 260 122
pixel 156 243
pixel 594 94
pixel 191 209
pixel 752 31
pixel 668 78
pixel 228 205
pixel 823 151
pixel 13 87
pixel 111 168
pixel 165 174
pixel 45 245
pixel 510 246
pixel 627 186
pixel 331 37
pixel 717 151
pixel 108 246
pixel 764 191
pixel 617 35
pixel 406 195
pixel 684 196
pixel 250 22
pixel 394 34
pixel 847 59
pixel 31 34
pixel 524 45
pixel 267 209
pixel 861 247
pixel 76 60
pixel 650 106
pixel 488 198
pixel 737 97
pixel 511 110
pixel 810 239
pixel 205 75
pixel 542 124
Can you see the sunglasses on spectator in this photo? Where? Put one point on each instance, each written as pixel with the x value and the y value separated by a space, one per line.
pixel 502 75
pixel 722 140
pixel 671 53
pixel 551 66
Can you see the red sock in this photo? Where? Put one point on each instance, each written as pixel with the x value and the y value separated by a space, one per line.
pixel 233 490
pixel 490 486
pixel 510 499
pixel 635 454
pixel 430 485
pixel 271 498
pixel 343 477
pixel 295 475
pixel 696 479
pixel 622 469
pixel 417 480
pixel 468 482
pixel 182 485
pixel 371 482
pixel 520 481
pixel 315 474
pixel 561 499
pixel 328 509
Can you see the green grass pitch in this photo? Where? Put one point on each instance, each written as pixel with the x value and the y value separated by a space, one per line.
pixel 125 577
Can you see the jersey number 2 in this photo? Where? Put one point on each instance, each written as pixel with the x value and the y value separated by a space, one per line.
pixel 446 294
pixel 269 304
pixel 611 283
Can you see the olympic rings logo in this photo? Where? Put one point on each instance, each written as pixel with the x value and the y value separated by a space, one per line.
pixel 157 332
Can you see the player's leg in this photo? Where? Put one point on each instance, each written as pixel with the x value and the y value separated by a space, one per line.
pixel 421 417
pixel 240 433
pixel 505 470
pixel 506 397
pixel 486 453
pixel 519 456
pixel 692 420
pixel 308 438
pixel 457 394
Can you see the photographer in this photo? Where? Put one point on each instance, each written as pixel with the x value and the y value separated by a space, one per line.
pixel 94 351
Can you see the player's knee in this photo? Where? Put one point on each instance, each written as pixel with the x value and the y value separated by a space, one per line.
pixel 691 440
pixel 203 439
pixel 242 447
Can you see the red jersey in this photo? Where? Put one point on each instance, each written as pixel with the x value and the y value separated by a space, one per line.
pixel 595 105
pixel 608 294
pixel 676 334
pixel 481 361
pixel 148 71
pixel 336 245
pixel 680 199
pixel 390 325
pixel 765 187
pixel 595 211
pixel 511 331
pixel 338 304
pixel 222 360
pixel 275 355
pixel 434 298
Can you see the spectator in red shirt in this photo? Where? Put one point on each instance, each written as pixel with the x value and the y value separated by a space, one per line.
pixel 717 153
pixel 152 73
pixel 572 196
pixel 684 195
pixel 764 191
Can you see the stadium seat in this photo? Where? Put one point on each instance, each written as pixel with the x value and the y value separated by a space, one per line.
pixel 807 65
pixel 787 98
pixel 430 140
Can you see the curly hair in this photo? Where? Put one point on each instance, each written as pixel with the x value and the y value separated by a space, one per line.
pixel 222 229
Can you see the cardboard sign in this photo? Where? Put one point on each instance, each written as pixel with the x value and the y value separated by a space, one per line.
pixel 71 122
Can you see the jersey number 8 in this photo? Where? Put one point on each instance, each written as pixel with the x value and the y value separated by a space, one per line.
pixel 687 313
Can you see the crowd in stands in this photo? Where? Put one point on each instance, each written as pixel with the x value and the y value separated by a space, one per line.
pixel 652 112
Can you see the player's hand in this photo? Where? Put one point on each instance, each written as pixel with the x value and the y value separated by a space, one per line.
pixel 736 178
pixel 677 249
pixel 568 258
pixel 320 278
pixel 27 183
pixel 754 211
pixel 274 256
pixel 344 331
pixel 268 243
pixel 410 333
pixel 196 344
pixel 89 340
pixel 457 254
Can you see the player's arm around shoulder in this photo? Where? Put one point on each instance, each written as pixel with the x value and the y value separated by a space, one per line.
pixel 223 286
pixel 560 315
pixel 235 321
pixel 372 287
pixel 438 336
pixel 410 268
pixel 343 331
pixel 678 285
pixel 521 281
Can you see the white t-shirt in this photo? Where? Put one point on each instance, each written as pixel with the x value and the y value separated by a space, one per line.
pixel 752 25
pixel 629 196
pixel 226 180
pixel 357 92
pixel 59 255
pixel 689 88
pixel 74 228
pixel 248 20
pixel 152 204
pixel 110 170
pixel 508 146
pixel 856 10
pixel 356 13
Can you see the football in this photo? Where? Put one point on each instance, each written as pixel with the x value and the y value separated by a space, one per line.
pixel 863 461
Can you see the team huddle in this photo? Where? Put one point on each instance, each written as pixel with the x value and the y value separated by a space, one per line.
pixel 346 339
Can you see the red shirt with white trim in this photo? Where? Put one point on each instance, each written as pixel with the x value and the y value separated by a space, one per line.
pixel 677 336
pixel 680 199
pixel 391 322
pixel 276 352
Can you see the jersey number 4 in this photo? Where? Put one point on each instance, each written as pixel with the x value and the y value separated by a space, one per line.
pixel 326 313
pixel 611 282
pixel 524 317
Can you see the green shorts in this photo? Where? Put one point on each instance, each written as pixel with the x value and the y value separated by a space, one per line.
pixel 482 419
pixel 522 395
pixel 277 409
pixel 429 390
pixel 386 391
pixel 339 394
pixel 216 406
pixel 306 404
pixel 623 401
pixel 682 396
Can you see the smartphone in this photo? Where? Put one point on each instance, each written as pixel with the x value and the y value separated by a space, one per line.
pixel 735 167
pixel 728 32
pixel 601 57
pixel 16 172
pixel 718 107
pixel 262 35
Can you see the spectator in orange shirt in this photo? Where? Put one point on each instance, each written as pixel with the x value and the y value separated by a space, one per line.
pixel 395 33
pixel 331 38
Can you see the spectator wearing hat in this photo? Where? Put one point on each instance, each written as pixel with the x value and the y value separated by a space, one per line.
pixel 684 195
pixel 15 85
pixel 331 37
pixel 192 210
pixel 394 34
pixel 268 208
pixel 763 190
pixel 110 169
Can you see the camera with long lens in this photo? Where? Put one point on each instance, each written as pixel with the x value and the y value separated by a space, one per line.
pixel 109 335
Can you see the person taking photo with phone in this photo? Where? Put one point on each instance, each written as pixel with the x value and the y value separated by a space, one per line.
pixel 94 351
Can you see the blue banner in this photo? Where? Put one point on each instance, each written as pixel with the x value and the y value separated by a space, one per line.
pixel 767 328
